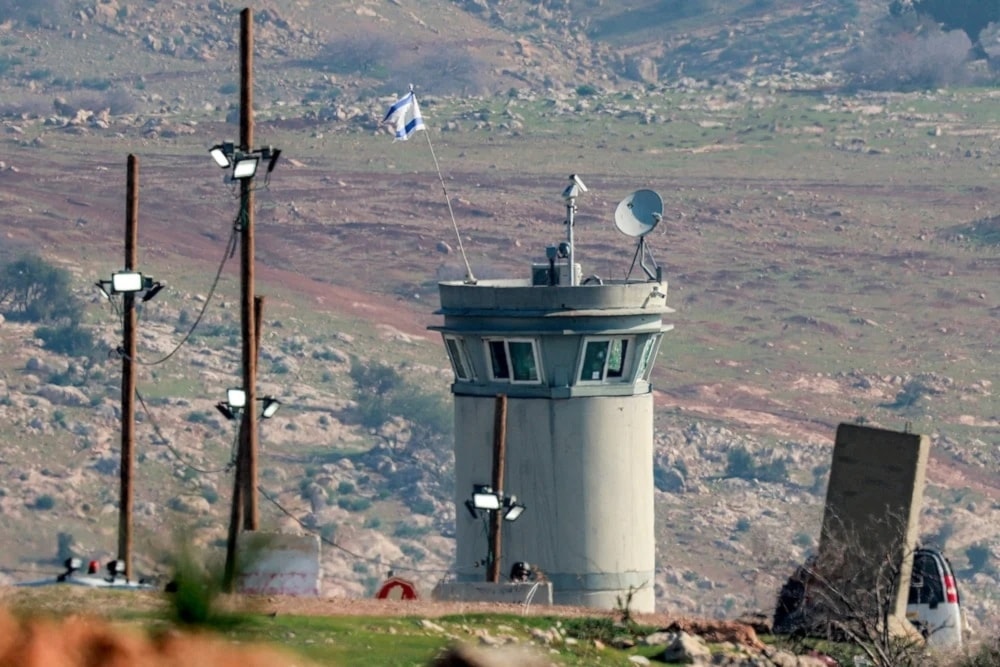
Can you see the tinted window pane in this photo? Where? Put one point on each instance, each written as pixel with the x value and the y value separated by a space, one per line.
pixel 522 357
pixel 498 357
pixel 616 358
pixel 457 358
pixel 926 586
pixel 594 356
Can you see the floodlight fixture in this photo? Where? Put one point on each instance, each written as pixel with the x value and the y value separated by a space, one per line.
pixel 126 281
pixel 223 154
pixel 226 411
pixel 236 398
pixel 245 165
pixel 271 406
pixel 512 509
pixel 485 498
pixel 471 506
pixel 271 155
pixel 152 291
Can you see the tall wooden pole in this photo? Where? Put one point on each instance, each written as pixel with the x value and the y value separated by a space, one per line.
pixel 244 507
pixel 496 516
pixel 127 466
pixel 249 475
pixel 237 512
pixel 248 434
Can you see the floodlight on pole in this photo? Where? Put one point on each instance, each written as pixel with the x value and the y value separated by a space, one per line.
pixel 245 165
pixel 512 509
pixel 236 398
pixel 271 406
pixel 225 410
pixel 130 282
pixel 223 154
pixel 485 498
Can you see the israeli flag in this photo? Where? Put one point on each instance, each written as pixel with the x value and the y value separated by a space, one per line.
pixel 405 115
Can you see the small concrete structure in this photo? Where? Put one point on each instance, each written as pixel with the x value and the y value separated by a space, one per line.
pixel 574 362
pixel 872 513
pixel 278 564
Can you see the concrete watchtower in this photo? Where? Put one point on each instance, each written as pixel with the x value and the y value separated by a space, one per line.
pixel 573 361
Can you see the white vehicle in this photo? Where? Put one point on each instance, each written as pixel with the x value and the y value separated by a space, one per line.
pixel 934 606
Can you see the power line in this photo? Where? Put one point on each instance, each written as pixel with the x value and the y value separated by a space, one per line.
pixel 180 457
pixel 347 551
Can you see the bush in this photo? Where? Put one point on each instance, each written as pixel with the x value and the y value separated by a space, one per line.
pixel 739 463
pixel 979 556
pixel 68 339
pixel 44 502
pixel 406 530
pixel 354 504
pixel 32 290
pixel 37 13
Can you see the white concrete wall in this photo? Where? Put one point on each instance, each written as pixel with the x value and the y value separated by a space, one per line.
pixel 583 467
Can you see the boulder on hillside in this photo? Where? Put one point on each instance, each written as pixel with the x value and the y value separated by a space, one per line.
pixel 68 396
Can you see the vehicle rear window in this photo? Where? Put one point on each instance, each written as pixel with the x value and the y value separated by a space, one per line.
pixel 926 584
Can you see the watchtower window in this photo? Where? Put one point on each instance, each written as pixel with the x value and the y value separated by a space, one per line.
pixel 604 359
pixel 649 350
pixel 514 360
pixel 459 356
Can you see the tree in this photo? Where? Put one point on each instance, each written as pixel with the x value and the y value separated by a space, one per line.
pixel 32 290
pixel 383 395
pixel 969 16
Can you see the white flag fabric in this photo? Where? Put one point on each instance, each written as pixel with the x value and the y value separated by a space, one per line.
pixel 405 115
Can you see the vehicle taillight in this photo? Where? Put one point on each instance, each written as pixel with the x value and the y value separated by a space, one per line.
pixel 950 592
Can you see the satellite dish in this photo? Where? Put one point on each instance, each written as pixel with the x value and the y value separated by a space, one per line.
pixel 639 213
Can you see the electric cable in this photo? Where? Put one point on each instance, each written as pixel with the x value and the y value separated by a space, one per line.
pixel 347 551
pixel 177 454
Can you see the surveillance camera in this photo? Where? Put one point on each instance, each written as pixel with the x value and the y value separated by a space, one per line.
pixel 579 183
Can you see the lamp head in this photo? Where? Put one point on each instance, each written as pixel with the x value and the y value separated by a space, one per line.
pixel 226 411
pixel 126 281
pixel 236 398
pixel 485 498
pixel 245 166
pixel 271 406
pixel 222 154
pixel 512 509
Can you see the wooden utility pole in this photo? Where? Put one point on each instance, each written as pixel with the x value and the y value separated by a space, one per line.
pixel 243 513
pixel 248 433
pixel 128 372
pixel 496 516
pixel 237 512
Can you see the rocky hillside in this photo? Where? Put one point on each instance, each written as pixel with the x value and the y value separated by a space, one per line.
pixel 832 190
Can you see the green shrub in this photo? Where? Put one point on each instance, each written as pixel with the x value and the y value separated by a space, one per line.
pixel 423 506
pixel 979 556
pixel 354 504
pixel 405 530
pixel 68 339
pixel 739 463
pixel 44 502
